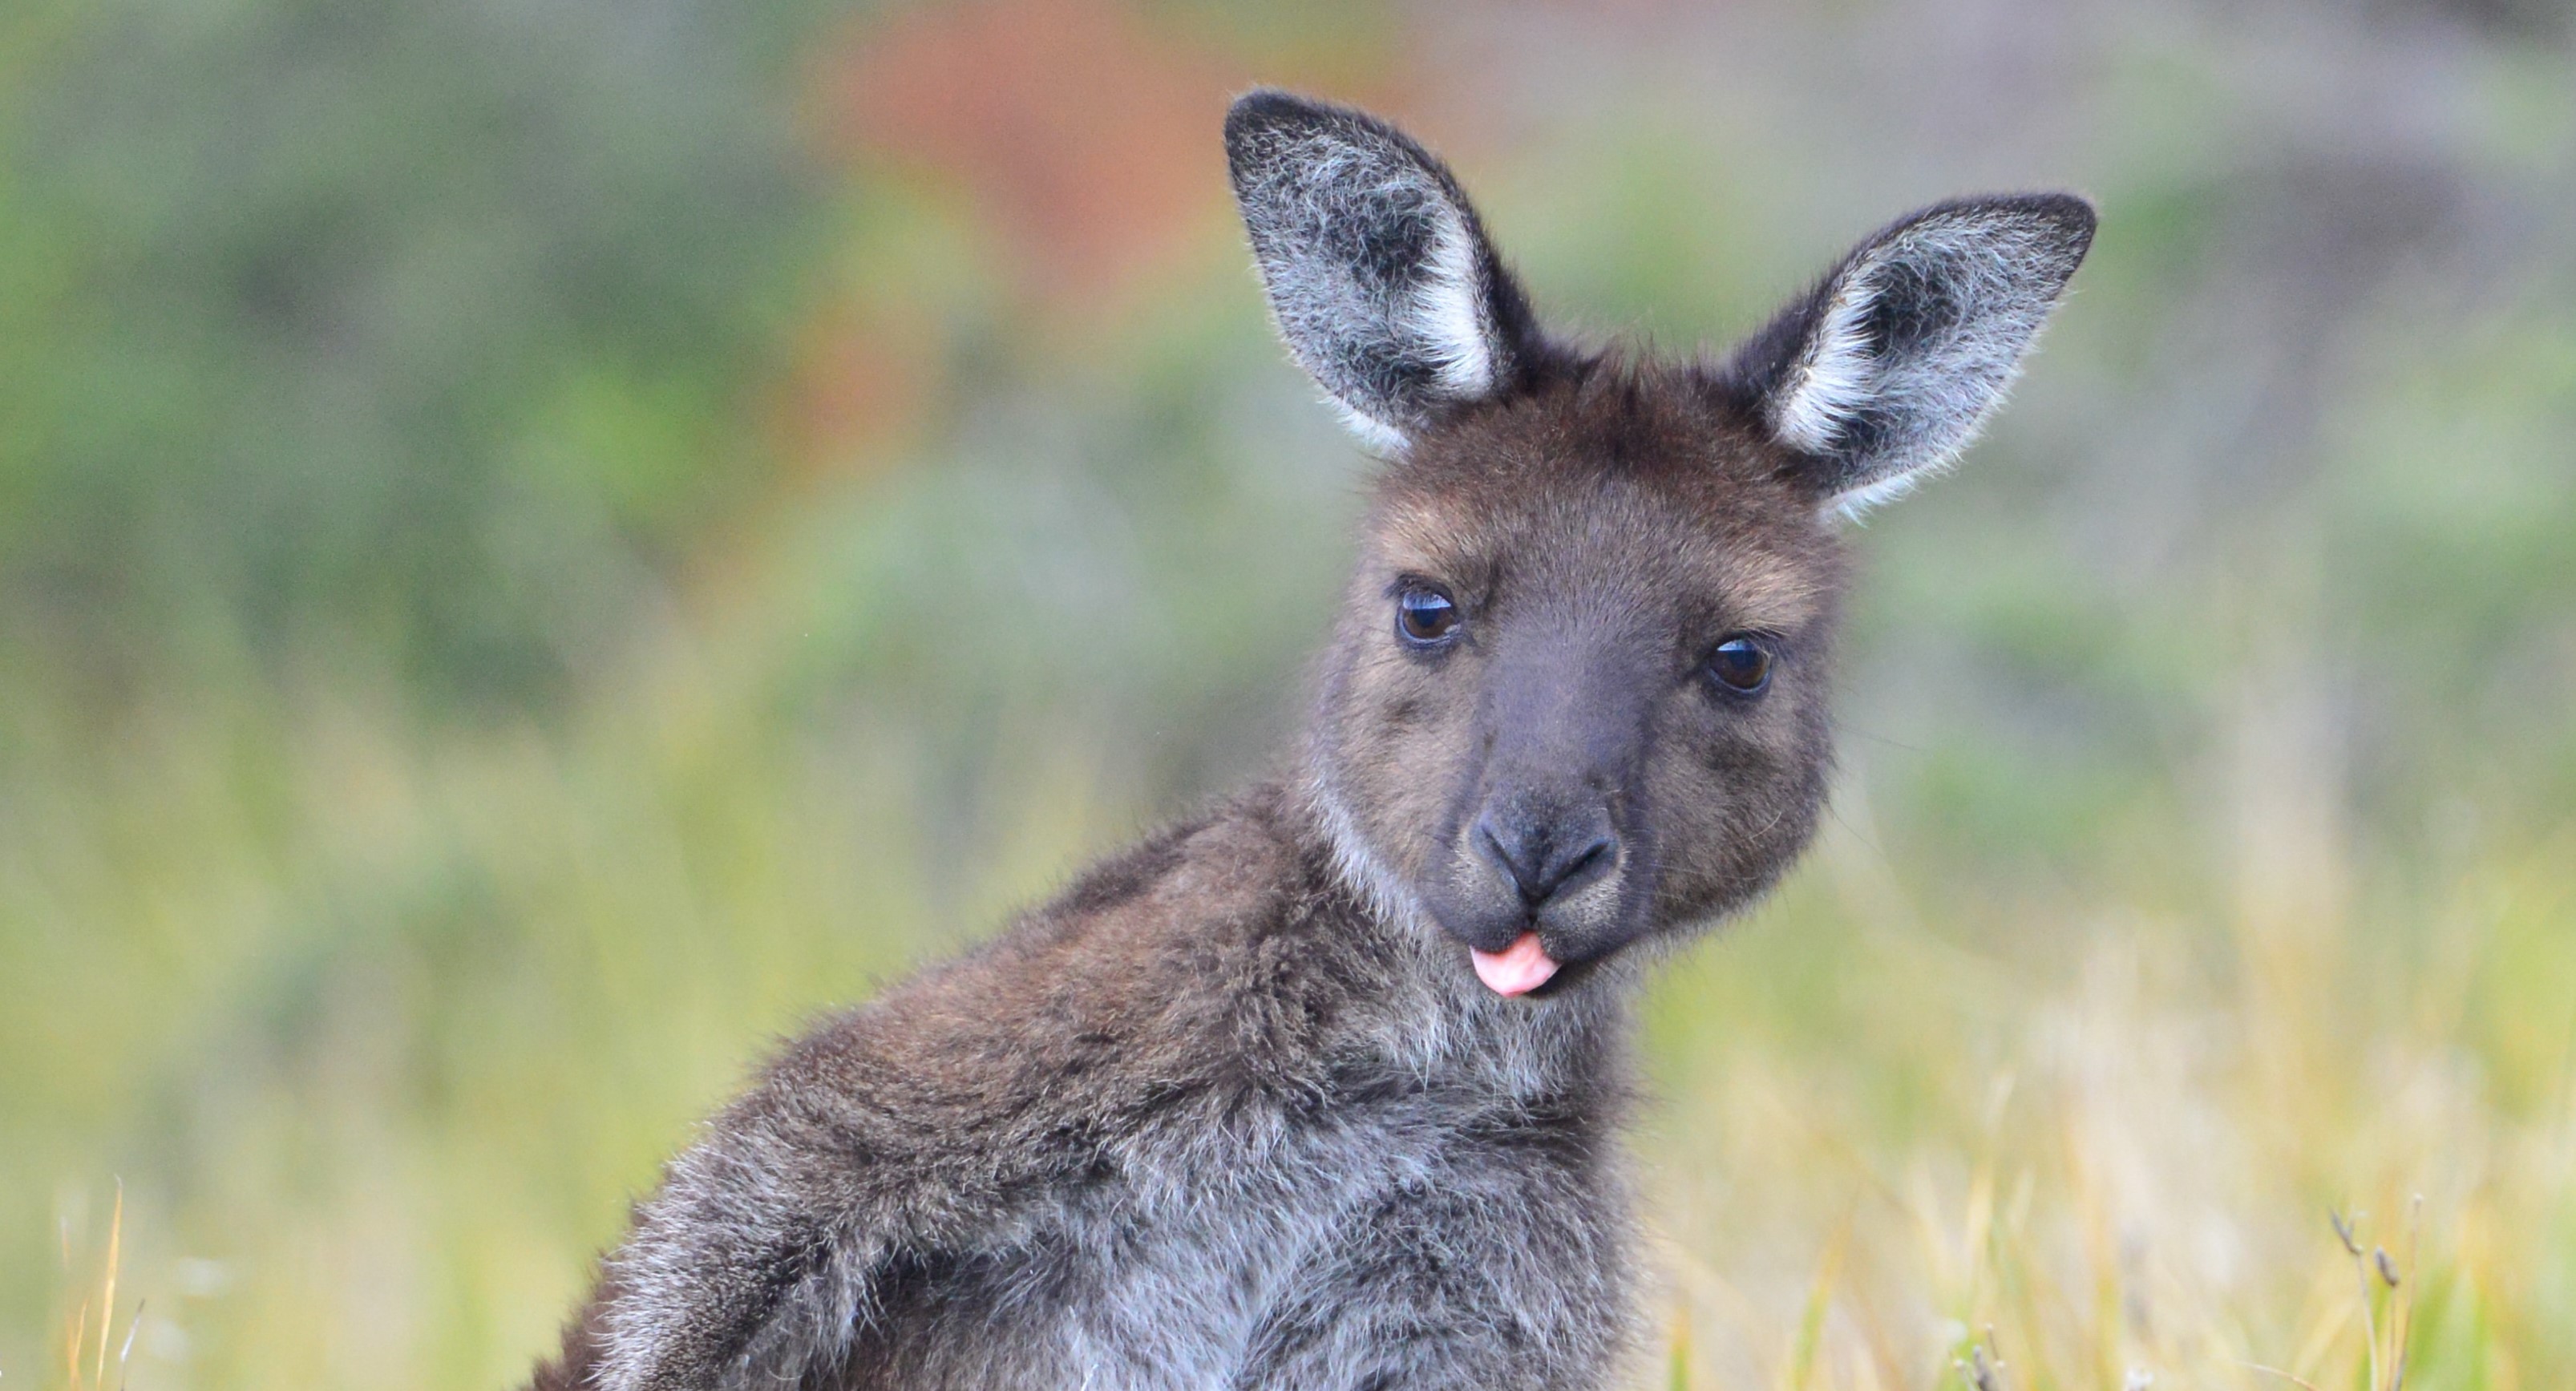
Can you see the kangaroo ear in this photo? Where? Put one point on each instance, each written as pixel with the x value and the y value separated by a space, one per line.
pixel 1890 366
pixel 1378 271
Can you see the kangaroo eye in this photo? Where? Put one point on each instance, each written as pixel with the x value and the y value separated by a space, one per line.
pixel 1425 616
pixel 1741 664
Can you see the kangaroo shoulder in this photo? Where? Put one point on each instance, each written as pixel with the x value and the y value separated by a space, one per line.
pixel 1201 962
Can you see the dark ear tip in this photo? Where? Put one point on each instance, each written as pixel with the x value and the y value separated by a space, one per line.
pixel 1263 105
pixel 2069 217
pixel 1266 112
pixel 2068 213
pixel 2063 221
pixel 1266 109
pixel 2071 212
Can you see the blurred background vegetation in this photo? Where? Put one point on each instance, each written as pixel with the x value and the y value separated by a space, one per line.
pixel 541 544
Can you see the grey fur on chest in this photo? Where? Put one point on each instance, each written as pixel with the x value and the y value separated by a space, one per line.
pixel 1247 1255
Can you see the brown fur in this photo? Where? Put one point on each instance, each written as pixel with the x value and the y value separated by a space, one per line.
pixel 1235 1110
pixel 1631 515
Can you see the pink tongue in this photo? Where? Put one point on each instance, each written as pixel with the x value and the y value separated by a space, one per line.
pixel 1515 970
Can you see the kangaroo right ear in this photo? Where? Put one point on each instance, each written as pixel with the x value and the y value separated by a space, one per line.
pixel 1378 272
pixel 1881 375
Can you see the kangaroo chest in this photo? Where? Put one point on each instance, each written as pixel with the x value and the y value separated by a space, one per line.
pixel 1250 1257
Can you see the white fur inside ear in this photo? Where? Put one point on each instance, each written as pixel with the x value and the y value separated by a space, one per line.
pixel 1449 310
pixel 1377 436
pixel 1855 504
pixel 1834 378
pixel 1916 344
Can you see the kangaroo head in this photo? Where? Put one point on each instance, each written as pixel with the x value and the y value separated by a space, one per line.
pixel 1577 695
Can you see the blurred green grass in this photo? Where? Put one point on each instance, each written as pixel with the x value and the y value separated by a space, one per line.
pixel 542 546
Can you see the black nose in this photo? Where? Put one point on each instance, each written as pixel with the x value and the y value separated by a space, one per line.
pixel 1545 856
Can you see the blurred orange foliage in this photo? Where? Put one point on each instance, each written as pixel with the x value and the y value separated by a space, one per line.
pixel 1081 127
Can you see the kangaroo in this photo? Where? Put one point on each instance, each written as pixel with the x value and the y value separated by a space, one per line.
pixel 1323 1089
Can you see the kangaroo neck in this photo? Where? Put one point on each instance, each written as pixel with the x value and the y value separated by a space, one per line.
pixel 1422 1011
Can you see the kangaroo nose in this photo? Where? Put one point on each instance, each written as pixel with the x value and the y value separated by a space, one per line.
pixel 1542 856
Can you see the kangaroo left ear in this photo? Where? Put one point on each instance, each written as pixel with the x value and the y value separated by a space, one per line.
pixel 1888 368
pixel 1379 274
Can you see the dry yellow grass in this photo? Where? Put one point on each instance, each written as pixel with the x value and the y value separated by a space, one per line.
pixel 2135 1172
pixel 1884 1152
pixel 94 1321
pixel 436 1006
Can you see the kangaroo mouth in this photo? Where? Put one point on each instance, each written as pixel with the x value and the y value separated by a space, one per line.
pixel 1518 969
